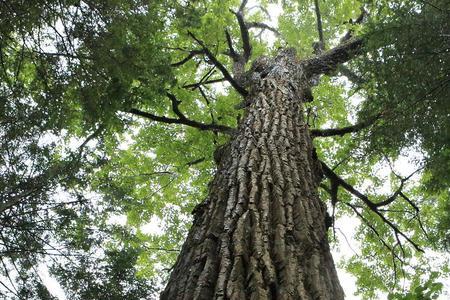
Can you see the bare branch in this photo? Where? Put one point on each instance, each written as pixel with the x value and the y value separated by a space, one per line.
pixel 399 191
pixel 182 119
pixel 160 249
pixel 242 6
pixel 371 205
pixel 194 162
pixel 391 198
pixel 397 231
pixel 219 65
pixel 368 224
pixel 263 9
pixel 200 83
pixel 344 130
pixel 417 215
pixel 208 103
pixel 62 54
pixel 319 24
pixel 348 243
pixel 244 35
pixel 233 54
pixel 263 26
pixel 188 57
pixel 160 173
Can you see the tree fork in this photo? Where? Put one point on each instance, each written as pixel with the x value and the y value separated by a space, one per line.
pixel 261 234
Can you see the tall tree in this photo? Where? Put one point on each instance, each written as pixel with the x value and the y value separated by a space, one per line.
pixel 129 107
pixel 261 232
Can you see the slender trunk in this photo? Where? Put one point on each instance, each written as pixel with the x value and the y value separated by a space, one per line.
pixel 261 232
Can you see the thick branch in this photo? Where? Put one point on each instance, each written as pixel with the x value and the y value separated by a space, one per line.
pixel 245 37
pixel 330 60
pixel 344 130
pixel 244 31
pixel 195 124
pixel 208 103
pixel 336 179
pixel 242 6
pixel 181 118
pixel 391 198
pixel 319 24
pixel 219 65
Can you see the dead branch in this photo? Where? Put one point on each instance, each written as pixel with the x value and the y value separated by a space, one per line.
pixel 374 230
pixel 208 103
pixel 240 59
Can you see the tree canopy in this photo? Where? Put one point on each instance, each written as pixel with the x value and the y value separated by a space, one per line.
pixel 113 113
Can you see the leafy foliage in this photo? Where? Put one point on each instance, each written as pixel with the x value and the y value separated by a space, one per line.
pixel 429 290
pixel 73 159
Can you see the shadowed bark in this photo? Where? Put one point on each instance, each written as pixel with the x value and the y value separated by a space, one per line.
pixel 261 232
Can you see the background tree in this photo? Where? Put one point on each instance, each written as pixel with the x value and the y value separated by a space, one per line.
pixel 73 156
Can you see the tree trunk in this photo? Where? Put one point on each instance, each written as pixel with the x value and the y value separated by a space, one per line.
pixel 261 232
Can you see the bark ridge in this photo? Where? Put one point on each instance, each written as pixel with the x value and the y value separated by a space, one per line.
pixel 261 232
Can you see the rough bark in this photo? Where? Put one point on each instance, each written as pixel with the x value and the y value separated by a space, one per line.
pixel 261 232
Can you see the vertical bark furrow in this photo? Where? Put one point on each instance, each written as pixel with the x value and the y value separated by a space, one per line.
pixel 261 234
